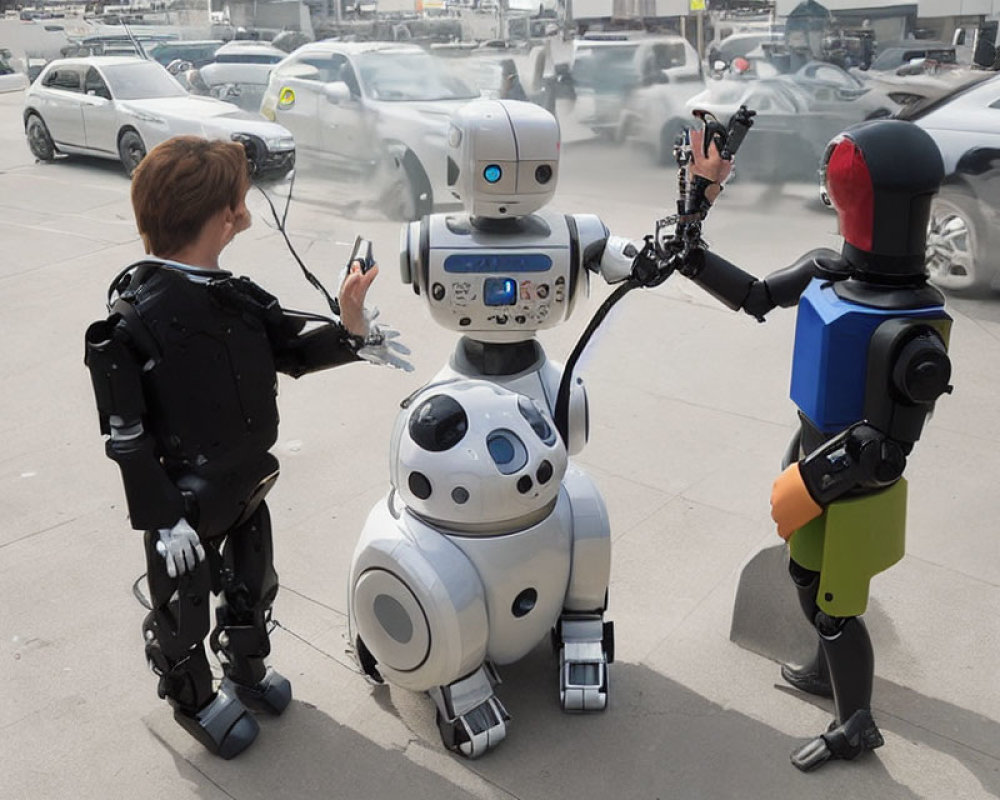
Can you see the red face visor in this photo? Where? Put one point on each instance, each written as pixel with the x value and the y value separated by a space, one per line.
pixel 848 185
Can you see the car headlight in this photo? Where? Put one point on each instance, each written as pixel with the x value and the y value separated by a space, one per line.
pixel 279 142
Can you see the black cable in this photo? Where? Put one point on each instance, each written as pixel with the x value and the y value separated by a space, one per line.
pixel 280 222
pixel 562 397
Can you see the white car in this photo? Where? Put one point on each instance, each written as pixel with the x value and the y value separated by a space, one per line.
pixel 119 107
pixel 10 79
pixel 635 88
pixel 371 106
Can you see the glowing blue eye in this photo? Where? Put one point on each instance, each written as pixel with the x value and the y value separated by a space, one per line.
pixel 492 173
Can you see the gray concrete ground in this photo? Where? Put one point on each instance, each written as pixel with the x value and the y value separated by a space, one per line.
pixel 690 416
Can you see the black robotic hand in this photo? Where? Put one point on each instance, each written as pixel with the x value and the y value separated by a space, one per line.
pixel 649 267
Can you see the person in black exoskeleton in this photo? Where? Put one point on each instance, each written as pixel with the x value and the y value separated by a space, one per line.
pixel 184 374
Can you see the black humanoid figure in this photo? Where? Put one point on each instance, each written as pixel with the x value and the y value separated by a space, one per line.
pixel 185 377
pixel 870 360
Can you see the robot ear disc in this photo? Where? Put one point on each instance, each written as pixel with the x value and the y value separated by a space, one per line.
pixel 438 423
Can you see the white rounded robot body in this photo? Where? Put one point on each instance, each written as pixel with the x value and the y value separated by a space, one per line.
pixel 495 538
pixel 431 607
pixel 489 538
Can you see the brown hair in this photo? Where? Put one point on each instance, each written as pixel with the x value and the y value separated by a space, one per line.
pixel 181 184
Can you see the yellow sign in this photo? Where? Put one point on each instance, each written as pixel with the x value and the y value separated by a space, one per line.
pixel 697 5
pixel 286 97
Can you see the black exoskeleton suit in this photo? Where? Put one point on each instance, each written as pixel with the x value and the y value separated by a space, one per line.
pixel 185 377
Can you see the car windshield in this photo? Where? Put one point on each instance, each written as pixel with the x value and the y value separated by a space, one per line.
pixel 141 80
pixel 248 58
pixel 410 76
pixel 605 67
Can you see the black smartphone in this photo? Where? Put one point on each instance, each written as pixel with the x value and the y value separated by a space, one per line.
pixel 362 252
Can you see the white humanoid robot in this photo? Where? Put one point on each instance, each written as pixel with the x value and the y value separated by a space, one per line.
pixel 490 539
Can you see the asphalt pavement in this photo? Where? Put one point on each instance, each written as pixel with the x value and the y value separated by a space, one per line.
pixel 689 419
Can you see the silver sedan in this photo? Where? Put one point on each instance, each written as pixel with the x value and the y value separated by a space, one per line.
pixel 119 107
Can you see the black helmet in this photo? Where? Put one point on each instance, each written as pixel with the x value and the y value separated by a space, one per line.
pixel 880 177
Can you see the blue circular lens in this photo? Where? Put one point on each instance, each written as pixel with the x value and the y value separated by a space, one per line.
pixel 501 450
pixel 492 173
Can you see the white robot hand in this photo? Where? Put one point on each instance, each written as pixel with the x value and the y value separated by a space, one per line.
pixel 380 348
pixel 180 547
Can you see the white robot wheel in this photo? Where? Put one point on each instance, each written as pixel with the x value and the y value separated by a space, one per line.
pixel 391 621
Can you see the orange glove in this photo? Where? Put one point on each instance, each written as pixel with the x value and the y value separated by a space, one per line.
pixel 791 504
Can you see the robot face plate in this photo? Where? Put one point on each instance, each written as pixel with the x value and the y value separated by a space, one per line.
pixel 504 157
pixel 474 456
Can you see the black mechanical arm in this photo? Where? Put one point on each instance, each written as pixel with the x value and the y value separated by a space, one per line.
pixel 115 370
pixel 741 291
pixel 297 351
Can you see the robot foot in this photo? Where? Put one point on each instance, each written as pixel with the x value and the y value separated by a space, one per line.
pixel 845 741
pixel 811 677
pixel 471 719
pixel 224 726
pixel 272 695
pixel 586 648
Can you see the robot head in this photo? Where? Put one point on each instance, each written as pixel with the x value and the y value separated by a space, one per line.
pixel 880 177
pixel 473 456
pixel 503 157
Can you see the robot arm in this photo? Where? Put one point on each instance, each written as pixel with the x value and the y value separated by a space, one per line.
pixel 600 251
pixel 739 290
pixel 298 352
pixel 154 502
pixel 861 457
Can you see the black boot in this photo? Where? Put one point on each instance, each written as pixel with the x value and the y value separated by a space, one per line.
pixel 812 677
pixel 846 741
pixel 224 726
pixel 271 694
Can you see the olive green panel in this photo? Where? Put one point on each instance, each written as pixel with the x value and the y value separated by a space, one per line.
pixel 853 540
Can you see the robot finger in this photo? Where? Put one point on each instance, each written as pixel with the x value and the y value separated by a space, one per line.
pixel 399 363
pixel 168 557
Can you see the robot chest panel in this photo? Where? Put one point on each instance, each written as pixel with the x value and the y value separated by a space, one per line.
pixel 830 361
pixel 500 283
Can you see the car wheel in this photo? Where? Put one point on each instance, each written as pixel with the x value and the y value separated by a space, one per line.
pixel 39 141
pixel 665 147
pixel 131 150
pixel 953 243
pixel 409 196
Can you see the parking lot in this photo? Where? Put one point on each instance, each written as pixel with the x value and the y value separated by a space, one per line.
pixel 689 418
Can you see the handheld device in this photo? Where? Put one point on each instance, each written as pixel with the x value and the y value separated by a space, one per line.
pixel 362 252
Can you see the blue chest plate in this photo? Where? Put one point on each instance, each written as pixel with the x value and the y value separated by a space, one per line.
pixel 830 359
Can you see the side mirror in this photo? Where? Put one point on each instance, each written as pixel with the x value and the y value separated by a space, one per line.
pixel 958 37
pixel 337 93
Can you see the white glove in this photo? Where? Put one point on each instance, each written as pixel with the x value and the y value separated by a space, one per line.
pixel 379 347
pixel 180 547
